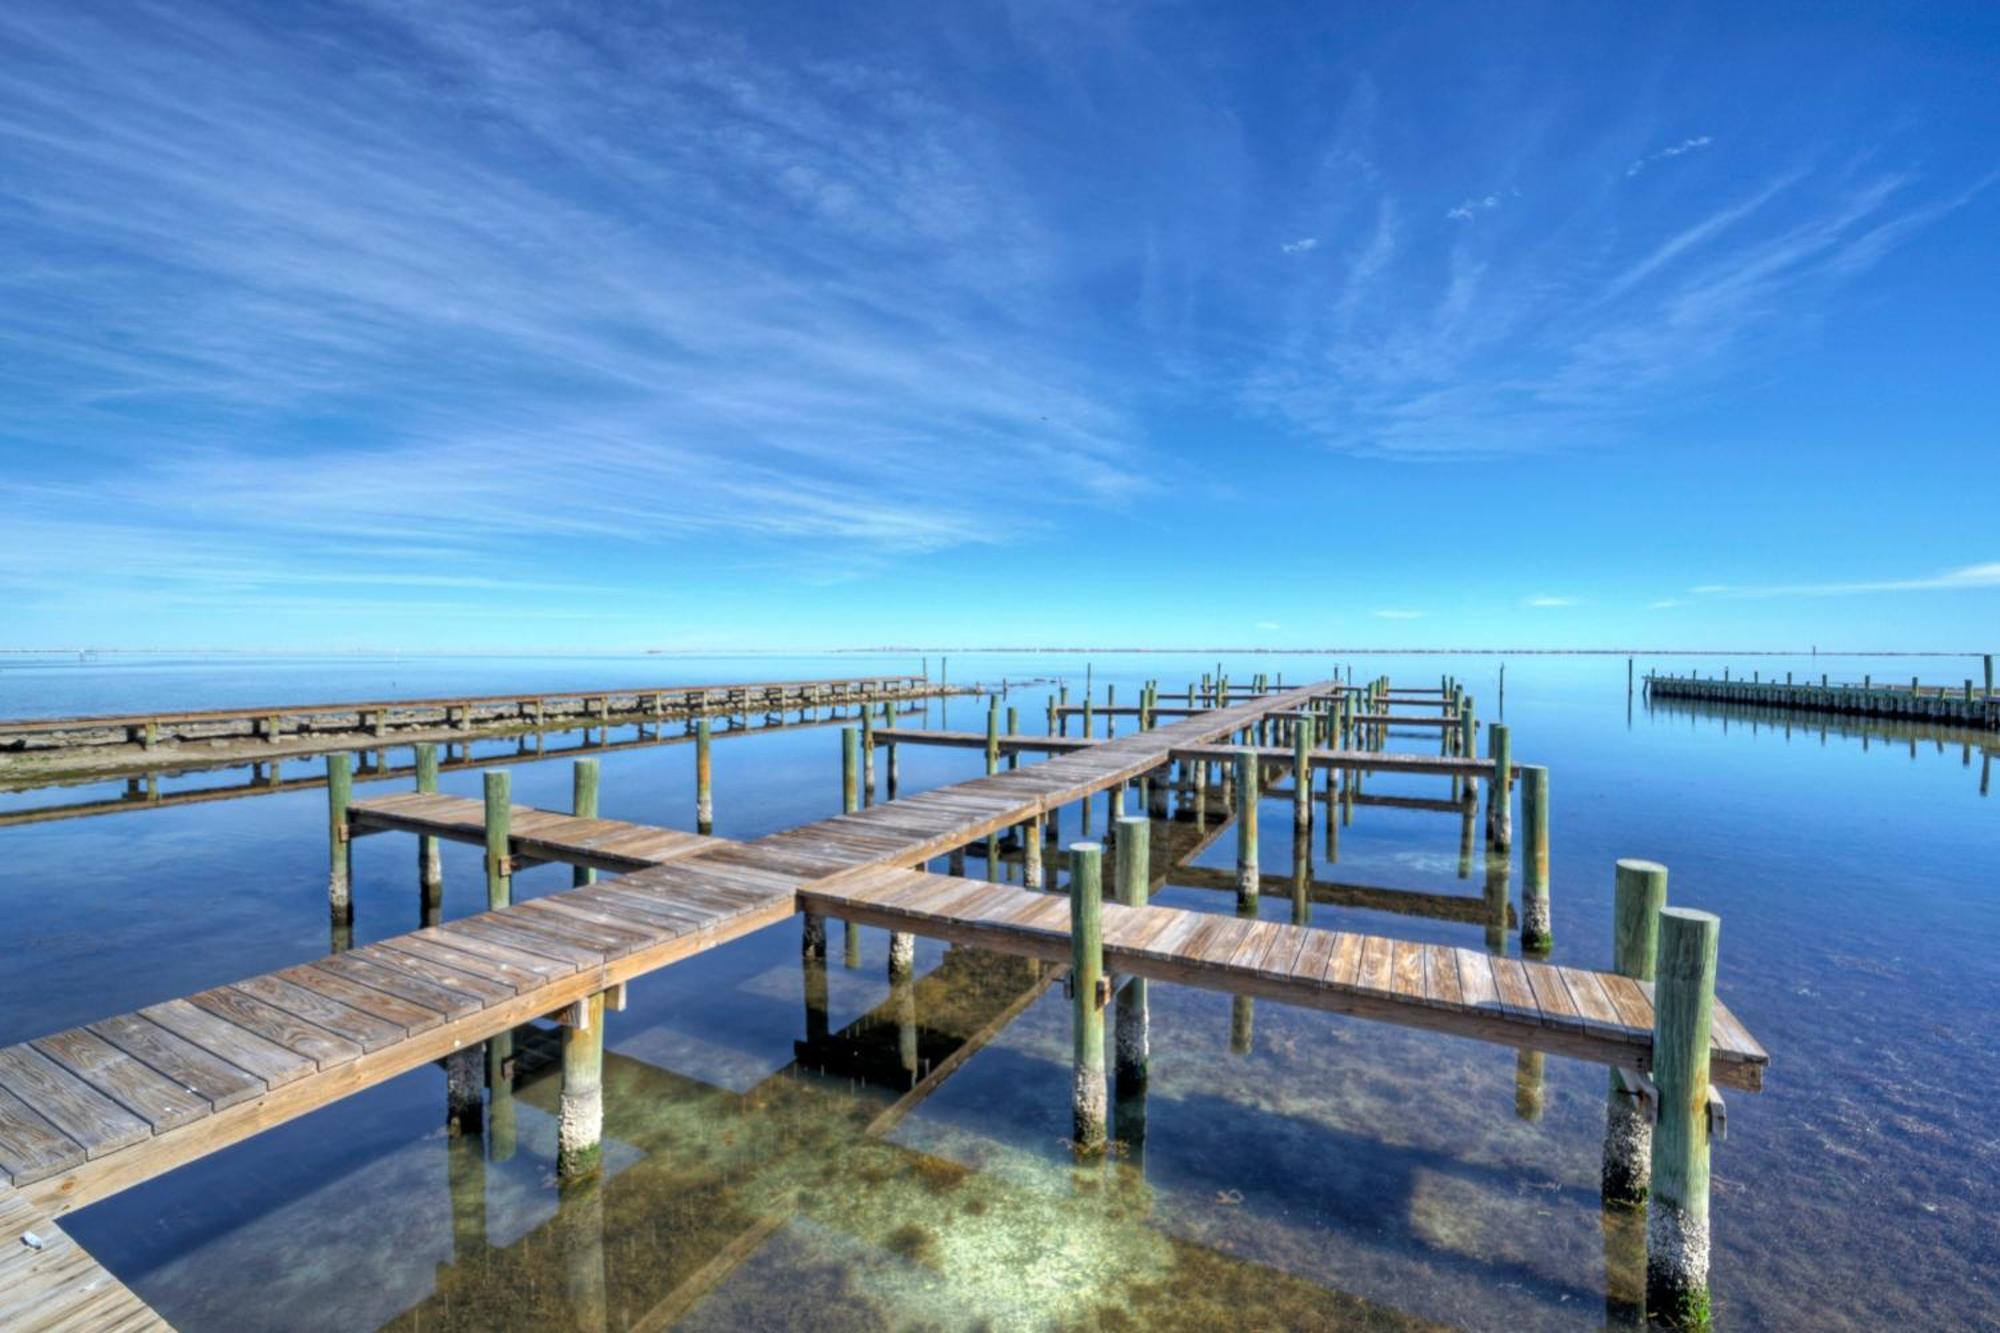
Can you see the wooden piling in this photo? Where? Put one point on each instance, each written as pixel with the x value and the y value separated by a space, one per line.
pixel 1640 892
pixel 1086 932
pixel 704 796
pixel 1133 1053
pixel 430 868
pixel 499 817
pixel 1537 932
pixel 583 803
pixel 1302 774
pixel 867 757
pixel 580 1122
pixel 340 851
pixel 1246 793
pixel 1677 1228
pixel 1499 803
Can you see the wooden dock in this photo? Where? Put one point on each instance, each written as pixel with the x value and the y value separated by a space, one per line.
pixel 96 1109
pixel 50 1283
pixel 124 742
pixel 1966 705
pixel 1357 761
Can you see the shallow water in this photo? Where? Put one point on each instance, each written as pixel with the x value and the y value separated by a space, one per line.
pixel 1338 1173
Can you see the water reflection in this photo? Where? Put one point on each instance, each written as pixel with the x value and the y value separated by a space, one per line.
pixel 1912 738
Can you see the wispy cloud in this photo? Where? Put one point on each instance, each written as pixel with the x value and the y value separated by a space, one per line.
pixel 1666 603
pixel 1268 624
pixel 1545 601
pixel 1473 207
pixel 482 277
pixel 1399 615
pixel 1303 245
pixel 1671 150
pixel 1953 580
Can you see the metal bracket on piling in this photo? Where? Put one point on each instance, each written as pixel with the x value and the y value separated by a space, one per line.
pixel 1634 1084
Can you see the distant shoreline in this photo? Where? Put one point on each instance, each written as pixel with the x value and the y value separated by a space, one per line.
pixel 907 650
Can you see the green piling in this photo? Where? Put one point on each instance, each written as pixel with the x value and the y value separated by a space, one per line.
pixel 1677 1228
pixel 704 768
pixel 1499 806
pixel 1537 933
pixel 499 817
pixel 583 802
pixel 580 1122
pixel 1302 781
pixel 1640 892
pixel 1086 934
pixel 340 849
pixel 430 867
pixel 1246 831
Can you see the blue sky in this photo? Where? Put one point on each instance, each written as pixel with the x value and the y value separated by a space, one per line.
pixel 725 326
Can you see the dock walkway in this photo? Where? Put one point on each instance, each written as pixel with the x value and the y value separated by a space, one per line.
pixel 96 1109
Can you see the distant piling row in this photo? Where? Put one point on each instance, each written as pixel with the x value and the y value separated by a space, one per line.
pixel 1963 705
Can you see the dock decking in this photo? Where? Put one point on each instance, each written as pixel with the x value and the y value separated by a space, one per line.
pixel 49 1283
pixel 1967 706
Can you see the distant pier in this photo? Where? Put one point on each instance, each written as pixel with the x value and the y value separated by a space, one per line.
pixel 1963 705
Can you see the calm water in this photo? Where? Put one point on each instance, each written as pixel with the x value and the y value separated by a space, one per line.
pixel 1338 1173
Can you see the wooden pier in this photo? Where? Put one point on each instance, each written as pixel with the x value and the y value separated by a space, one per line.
pixel 1964 705
pixel 134 742
pixel 96 1109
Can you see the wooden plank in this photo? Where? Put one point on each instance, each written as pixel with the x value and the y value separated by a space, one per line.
pixel 1475 980
pixel 518 935
pixel 1407 971
pixel 1441 986
pixel 400 983
pixel 1310 964
pixel 1377 970
pixel 98 1124
pixel 1635 1007
pixel 1593 1005
pixel 136 1086
pixel 442 966
pixel 230 1042
pixel 362 1029
pixel 240 1007
pixel 1552 996
pixel 1513 992
pixel 407 1015
pixel 1343 964
pixel 207 1075
pixel 30 1147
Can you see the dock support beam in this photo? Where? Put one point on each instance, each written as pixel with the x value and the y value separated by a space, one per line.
pixel 583 804
pixel 430 868
pixel 1086 935
pixel 340 851
pixel 1677 1234
pixel 499 818
pixel 1537 933
pixel 580 1124
pixel 704 770
pixel 1031 854
pixel 850 801
pixel 1641 891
